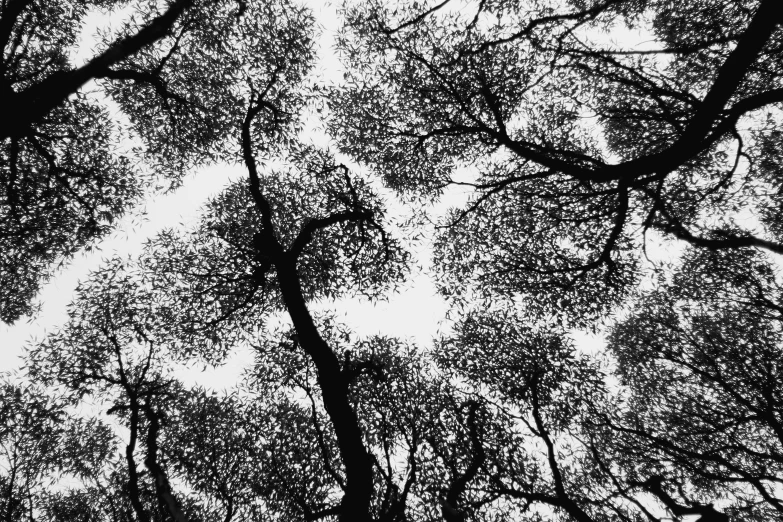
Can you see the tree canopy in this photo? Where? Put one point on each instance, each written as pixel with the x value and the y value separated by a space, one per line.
pixel 621 160
pixel 177 72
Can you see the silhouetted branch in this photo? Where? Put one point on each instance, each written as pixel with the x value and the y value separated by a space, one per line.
pixel 36 101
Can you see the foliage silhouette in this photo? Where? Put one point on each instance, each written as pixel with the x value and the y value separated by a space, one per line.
pixel 580 154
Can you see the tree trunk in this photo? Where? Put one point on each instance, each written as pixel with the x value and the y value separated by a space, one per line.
pixel 334 387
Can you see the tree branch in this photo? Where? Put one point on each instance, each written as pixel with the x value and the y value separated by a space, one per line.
pixel 35 102
pixel 708 513
pixel 311 226
pixel 564 500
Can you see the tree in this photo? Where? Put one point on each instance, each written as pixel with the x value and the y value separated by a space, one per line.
pixel 38 446
pixel 174 68
pixel 581 146
pixel 62 182
pixel 580 150
pixel 701 358
pixel 291 250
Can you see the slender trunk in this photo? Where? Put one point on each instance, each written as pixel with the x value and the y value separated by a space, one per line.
pixel 133 476
pixel 355 505
pixel 168 503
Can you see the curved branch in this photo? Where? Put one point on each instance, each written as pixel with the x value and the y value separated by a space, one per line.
pixel 708 513
pixel 585 14
pixel 254 108
pixel 728 79
pixel 728 240
pixel 417 19
pixel 707 125
pixel 313 225
pixel 564 500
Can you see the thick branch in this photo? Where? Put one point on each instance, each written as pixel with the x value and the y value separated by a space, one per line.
pixel 728 79
pixel 35 102
pixel 707 125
